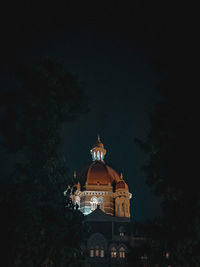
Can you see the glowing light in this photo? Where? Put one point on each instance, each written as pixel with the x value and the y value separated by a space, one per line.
pixel 93 203
pixel 97 252
pixel 91 253
pixel 102 253
pixel 122 252
pixel 98 155
pixel 113 252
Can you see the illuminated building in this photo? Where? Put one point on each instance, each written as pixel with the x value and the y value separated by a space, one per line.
pixel 103 196
pixel 99 184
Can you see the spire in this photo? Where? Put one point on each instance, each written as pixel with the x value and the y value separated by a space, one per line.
pixel 98 152
pixel 74 174
pixel 121 176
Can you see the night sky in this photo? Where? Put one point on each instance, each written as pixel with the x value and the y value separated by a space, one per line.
pixel 112 50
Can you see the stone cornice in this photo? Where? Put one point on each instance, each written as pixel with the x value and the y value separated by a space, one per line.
pixel 103 193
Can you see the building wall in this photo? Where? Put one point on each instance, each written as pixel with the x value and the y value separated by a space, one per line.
pixel 105 246
pixel 115 204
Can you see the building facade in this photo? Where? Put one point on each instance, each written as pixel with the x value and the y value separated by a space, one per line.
pixel 103 197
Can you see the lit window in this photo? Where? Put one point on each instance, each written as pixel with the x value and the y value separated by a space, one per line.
pixel 93 203
pixel 122 252
pixel 98 155
pixel 102 253
pixel 101 155
pixel 91 253
pixel 113 252
pixel 97 252
pixel 93 155
pixel 121 234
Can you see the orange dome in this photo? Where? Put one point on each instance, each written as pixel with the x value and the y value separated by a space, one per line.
pixel 100 173
pixel 121 185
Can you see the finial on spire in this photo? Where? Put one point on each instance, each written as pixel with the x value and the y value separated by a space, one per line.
pixel 74 174
pixel 98 138
pixel 121 176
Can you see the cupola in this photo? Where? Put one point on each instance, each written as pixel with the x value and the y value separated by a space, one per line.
pixel 98 151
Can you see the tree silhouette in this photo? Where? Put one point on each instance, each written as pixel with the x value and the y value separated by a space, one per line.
pixel 170 170
pixel 38 228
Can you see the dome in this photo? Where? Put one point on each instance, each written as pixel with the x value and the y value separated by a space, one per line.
pixel 100 173
pixel 121 185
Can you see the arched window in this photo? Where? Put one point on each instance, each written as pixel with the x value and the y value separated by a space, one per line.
pixel 97 251
pixel 101 155
pixel 100 202
pixel 93 203
pixel 98 155
pixel 122 252
pixel 91 252
pixel 102 253
pixel 113 252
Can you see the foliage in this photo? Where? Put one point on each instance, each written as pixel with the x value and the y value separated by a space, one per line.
pixel 171 173
pixel 38 229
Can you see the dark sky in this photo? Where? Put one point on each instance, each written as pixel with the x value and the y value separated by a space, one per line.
pixel 121 88
pixel 113 50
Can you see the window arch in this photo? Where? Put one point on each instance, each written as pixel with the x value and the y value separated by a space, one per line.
pixel 113 252
pixel 97 242
pixel 122 252
pixel 93 202
pixel 96 252
pixel 101 202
